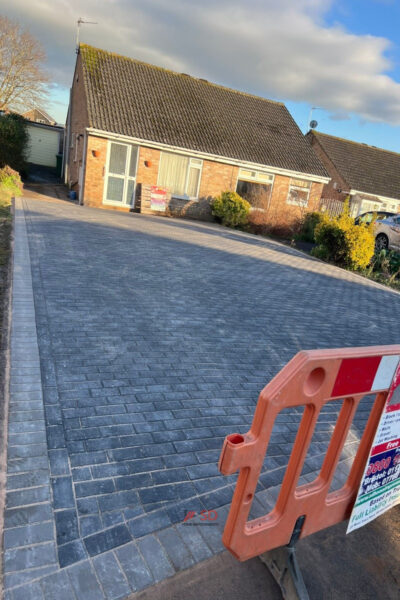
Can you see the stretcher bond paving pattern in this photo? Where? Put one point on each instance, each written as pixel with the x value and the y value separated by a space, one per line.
pixel 138 343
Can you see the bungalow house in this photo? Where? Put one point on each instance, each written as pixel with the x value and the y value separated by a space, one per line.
pixel 369 175
pixel 38 115
pixel 145 138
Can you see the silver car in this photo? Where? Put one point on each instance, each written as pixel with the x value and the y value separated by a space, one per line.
pixel 387 233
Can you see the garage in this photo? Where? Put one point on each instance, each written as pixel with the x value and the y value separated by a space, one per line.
pixel 45 142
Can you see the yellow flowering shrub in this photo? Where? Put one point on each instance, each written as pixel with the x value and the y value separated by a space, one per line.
pixel 342 242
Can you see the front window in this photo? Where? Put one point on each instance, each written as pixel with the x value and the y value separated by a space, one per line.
pixel 180 175
pixel 255 187
pixel 299 192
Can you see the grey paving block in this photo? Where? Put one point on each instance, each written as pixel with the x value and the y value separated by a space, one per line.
pixel 71 553
pixel 155 558
pixel 66 526
pixel 59 464
pixel 31 591
pixel 16 517
pixel 27 480
pixel 19 465
pixel 57 586
pixel 91 524
pixel 18 578
pixel 195 541
pixel 94 488
pixel 19 559
pixel 63 496
pixel 108 539
pixel 27 496
pixel 111 576
pixel 149 523
pixel 136 570
pixel 175 548
pixel 84 582
pixel 28 534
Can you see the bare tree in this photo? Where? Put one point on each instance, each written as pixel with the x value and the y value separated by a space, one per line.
pixel 22 78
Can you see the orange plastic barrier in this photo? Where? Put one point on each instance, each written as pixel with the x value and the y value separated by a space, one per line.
pixel 311 378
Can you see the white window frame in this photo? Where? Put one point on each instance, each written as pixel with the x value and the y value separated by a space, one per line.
pixel 190 165
pixel 256 179
pixel 300 188
pixel 125 177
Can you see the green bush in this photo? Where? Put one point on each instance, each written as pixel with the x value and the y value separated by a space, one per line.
pixel 14 140
pixel 10 185
pixel 342 242
pixel 385 266
pixel 230 209
pixel 10 180
pixel 308 225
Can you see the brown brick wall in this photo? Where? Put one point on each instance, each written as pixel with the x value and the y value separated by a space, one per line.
pixel 329 190
pixel 78 123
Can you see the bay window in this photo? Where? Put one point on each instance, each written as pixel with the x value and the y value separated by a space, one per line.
pixel 180 175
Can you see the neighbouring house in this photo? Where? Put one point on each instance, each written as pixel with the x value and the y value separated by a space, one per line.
pixel 39 116
pixel 370 176
pixel 45 144
pixel 145 138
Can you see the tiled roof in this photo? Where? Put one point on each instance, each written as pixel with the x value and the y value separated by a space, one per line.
pixel 132 98
pixel 365 168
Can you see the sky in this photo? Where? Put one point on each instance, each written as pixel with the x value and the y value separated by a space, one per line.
pixel 340 56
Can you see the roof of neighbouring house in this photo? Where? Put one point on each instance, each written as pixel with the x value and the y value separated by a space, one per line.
pixel 129 97
pixel 42 112
pixel 365 168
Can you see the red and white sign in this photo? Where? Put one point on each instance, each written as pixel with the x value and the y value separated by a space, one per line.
pixel 362 375
pixel 380 485
pixel 158 198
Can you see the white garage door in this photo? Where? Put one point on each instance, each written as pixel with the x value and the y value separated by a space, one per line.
pixel 43 146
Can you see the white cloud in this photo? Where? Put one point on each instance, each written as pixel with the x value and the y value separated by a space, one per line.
pixel 276 49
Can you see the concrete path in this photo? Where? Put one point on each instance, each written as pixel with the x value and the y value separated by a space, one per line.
pixel 152 339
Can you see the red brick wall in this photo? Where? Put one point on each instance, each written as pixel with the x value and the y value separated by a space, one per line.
pixel 278 214
pixel 216 178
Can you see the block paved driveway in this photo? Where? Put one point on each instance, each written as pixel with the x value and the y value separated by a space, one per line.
pixel 154 337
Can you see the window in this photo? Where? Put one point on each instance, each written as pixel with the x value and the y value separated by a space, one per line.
pixel 180 175
pixel 255 187
pixel 299 192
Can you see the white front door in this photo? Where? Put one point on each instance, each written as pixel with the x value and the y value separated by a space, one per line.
pixel 119 185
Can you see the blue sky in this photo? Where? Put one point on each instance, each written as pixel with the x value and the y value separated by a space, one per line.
pixel 340 55
pixel 373 17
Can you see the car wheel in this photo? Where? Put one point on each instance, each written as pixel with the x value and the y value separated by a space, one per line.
pixel 382 242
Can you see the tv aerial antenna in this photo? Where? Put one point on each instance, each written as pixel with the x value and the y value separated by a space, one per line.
pixel 80 22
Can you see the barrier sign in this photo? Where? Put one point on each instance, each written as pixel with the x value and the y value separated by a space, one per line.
pixel 158 199
pixel 380 485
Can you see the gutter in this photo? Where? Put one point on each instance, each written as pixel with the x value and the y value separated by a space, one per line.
pixel 206 156
pixel 381 198
pixel 84 156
